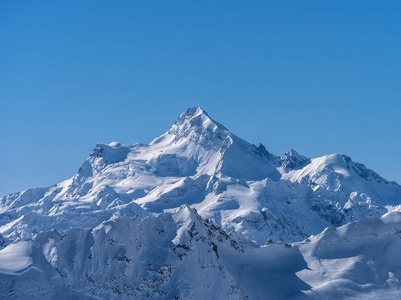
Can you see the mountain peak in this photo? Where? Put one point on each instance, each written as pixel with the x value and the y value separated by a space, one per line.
pixel 293 160
pixel 192 112
pixel 198 117
pixel 196 121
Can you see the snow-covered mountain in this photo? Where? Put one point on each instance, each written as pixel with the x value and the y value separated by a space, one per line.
pixel 198 162
pixel 195 207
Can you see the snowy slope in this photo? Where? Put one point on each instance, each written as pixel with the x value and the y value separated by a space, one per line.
pixel 360 260
pixel 171 256
pixel 198 162
pixel 179 255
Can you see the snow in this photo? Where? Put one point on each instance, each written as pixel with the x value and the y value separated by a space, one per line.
pixel 200 163
pixel 356 259
pixel 15 258
pixel 181 255
pixel 132 210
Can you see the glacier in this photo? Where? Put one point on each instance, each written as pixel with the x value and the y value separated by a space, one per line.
pixel 200 213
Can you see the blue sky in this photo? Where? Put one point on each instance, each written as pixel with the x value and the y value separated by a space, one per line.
pixel 317 76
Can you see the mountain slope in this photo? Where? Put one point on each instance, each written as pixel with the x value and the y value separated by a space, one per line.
pixel 179 255
pixel 171 256
pixel 355 261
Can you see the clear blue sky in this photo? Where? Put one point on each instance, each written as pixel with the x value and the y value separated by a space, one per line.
pixel 317 76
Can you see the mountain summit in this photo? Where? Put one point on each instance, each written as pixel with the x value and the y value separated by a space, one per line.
pixel 196 119
pixel 195 125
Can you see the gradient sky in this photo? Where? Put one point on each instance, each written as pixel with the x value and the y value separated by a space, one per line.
pixel 317 76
